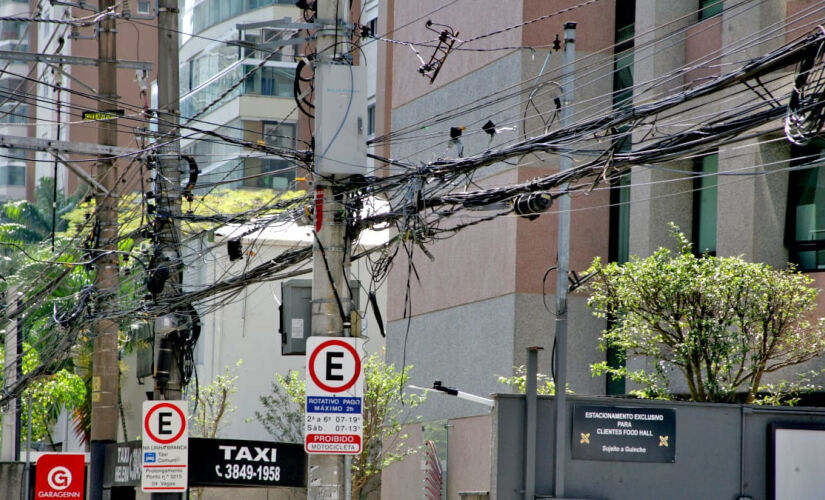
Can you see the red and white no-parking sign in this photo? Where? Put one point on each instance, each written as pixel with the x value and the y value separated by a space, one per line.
pixel 334 367
pixel 165 446
pixel 334 396
pixel 60 475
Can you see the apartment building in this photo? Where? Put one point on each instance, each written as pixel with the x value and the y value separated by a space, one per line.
pixel 471 308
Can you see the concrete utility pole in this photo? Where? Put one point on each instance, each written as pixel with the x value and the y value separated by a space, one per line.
pixel 568 82
pixel 327 473
pixel 104 359
pixel 10 450
pixel 168 192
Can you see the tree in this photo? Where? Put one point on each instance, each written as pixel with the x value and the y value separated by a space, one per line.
pixel 518 382
pixel 211 404
pixel 48 395
pixel 284 408
pixel 384 407
pixel 722 322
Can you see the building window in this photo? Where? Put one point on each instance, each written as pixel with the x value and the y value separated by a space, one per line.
pixel 144 7
pixel 704 204
pixel 371 120
pixel 270 81
pixel 13 112
pixel 373 26
pixel 805 229
pixel 709 8
pixel 12 175
pixel 279 135
pixel 619 238
pixel 211 12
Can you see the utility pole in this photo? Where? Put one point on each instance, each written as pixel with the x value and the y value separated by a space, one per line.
pixel 168 192
pixel 568 83
pixel 104 358
pixel 327 473
pixel 10 450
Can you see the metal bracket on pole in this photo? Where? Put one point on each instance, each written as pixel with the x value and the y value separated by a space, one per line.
pixel 53 146
pixel 85 176
pixel 59 68
pixel 10 55
pixel 283 23
pixel 273 45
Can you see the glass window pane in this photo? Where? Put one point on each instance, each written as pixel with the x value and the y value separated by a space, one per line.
pixel 623 231
pixel 371 120
pixel 705 199
pixel 805 231
pixel 709 8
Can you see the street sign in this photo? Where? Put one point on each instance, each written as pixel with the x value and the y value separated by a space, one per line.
pixel 238 462
pixel 624 434
pixel 60 475
pixel 333 421
pixel 109 114
pixel 165 446
pixel 122 464
pixel 217 462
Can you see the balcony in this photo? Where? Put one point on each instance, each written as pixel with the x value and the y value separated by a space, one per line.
pixel 268 81
pixel 250 173
pixel 211 12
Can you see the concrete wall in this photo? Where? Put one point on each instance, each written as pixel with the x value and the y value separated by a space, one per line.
pixel 11 479
pixel 469 457
pixel 403 480
pixel 464 346
pixel 468 461
pixel 721 452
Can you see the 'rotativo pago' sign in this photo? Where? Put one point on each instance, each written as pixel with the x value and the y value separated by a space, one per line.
pixel 333 422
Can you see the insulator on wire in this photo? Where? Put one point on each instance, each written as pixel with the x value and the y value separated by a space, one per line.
pixel 235 249
pixel 530 206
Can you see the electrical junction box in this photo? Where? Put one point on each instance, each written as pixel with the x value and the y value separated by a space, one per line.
pixel 296 314
pixel 340 119
pixel 143 335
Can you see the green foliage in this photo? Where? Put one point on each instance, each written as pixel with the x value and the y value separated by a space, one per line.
pixel 283 408
pixel 721 322
pixel 48 394
pixel 218 202
pixel 212 403
pixel 518 382
pixel 384 408
pixel 786 392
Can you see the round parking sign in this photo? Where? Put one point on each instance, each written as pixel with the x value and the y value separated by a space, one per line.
pixel 334 365
pixel 164 423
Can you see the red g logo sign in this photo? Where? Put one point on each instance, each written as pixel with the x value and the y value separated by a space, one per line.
pixel 60 475
pixel 59 478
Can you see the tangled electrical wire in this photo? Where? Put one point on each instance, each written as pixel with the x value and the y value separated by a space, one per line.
pixel 424 197
pixel 806 108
